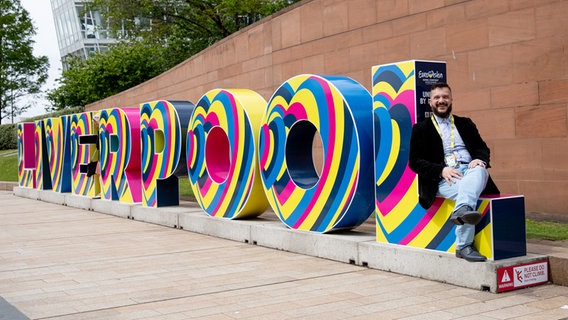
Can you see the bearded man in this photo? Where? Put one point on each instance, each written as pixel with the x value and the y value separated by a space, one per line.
pixel 451 160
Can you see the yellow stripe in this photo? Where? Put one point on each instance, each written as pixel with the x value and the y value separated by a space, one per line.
pixel 434 226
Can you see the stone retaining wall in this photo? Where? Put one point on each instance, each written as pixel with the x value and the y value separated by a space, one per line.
pixel 506 61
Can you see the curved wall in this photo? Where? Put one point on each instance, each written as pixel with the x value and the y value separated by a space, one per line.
pixel 507 62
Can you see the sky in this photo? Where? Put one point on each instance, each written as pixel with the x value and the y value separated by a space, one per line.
pixel 45 45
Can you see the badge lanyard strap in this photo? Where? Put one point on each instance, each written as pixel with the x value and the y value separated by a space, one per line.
pixel 452 133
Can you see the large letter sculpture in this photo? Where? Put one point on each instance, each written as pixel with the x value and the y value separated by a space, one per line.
pixel 400 97
pixel 42 176
pixel 337 108
pixel 163 144
pixel 397 106
pixel 119 139
pixel 83 146
pixel 234 139
pixel 57 134
pixel 221 153
pixel 26 155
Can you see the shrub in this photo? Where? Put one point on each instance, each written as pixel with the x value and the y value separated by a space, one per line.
pixel 8 136
pixel 9 133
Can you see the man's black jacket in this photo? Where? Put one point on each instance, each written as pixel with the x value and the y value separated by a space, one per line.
pixel 427 156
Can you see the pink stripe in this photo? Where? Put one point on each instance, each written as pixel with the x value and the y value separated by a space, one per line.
pixel 486 210
pixel 235 146
pixel 387 97
pixel 152 174
pixel 134 182
pixel 213 119
pixel 167 153
pixel 401 189
pixel 191 152
pixel 286 192
pixel 406 98
pixel 298 110
pixel 424 222
pixel 205 189
pixel 329 154
pixel 497 196
pixel 265 136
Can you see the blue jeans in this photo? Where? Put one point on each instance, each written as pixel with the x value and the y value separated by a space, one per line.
pixel 465 191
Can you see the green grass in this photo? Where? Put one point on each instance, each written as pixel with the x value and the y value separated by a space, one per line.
pixel 535 229
pixel 9 165
pixel 547 230
pixel 185 191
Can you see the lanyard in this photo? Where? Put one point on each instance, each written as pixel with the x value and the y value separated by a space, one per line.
pixel 452 133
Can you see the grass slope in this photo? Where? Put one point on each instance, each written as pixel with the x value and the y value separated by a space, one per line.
pixel 9 165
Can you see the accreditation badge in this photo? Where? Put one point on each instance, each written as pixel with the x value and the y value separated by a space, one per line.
pixel 450 160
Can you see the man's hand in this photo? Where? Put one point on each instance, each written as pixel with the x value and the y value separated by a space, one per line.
pixel 450 174
pixel 476 162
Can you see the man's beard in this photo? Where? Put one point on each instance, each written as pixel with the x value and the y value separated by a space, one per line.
pixel 442 114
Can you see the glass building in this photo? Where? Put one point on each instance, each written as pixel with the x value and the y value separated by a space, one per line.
pixel 80 32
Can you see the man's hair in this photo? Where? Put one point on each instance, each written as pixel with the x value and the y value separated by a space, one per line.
pixel 440 85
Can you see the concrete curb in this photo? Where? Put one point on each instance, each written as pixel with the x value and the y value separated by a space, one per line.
pixel 353 247
pixel 7 185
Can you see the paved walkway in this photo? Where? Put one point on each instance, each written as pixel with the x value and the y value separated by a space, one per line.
pixel 58 262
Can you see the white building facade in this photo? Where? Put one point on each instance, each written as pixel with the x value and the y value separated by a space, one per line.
pixel 80 32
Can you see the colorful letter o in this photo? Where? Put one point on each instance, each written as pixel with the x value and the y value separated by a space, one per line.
pixel 221 153
pixel 339 109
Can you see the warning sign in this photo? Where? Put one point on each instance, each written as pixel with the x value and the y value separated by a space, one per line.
pixel 520 276
pixel 506 277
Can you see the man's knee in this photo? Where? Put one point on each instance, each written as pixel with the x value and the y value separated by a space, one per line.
pixel 478 171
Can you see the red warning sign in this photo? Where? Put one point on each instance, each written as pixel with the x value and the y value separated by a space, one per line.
pixel 521 276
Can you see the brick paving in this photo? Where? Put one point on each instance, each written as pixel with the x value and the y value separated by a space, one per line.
pixel 58 262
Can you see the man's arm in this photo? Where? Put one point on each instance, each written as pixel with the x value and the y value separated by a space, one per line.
pixel 420 156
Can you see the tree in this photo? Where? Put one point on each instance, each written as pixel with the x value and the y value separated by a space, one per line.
pixel 157 35
pixel 123 66
pixel 21 73
pixel 196 23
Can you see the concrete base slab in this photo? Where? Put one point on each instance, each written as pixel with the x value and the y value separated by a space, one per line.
pixel 353 247
pixel 52 197
pixel 165 216
pixel 75 201
pixel 436 265
pixel 26 193
pixel 114 208
pixel 198 221
pixel 342 246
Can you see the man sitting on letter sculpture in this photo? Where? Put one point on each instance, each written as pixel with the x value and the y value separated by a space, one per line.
pixel 451 160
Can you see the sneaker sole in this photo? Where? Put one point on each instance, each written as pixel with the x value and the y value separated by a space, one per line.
pixel 472 217
pixel 471 260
